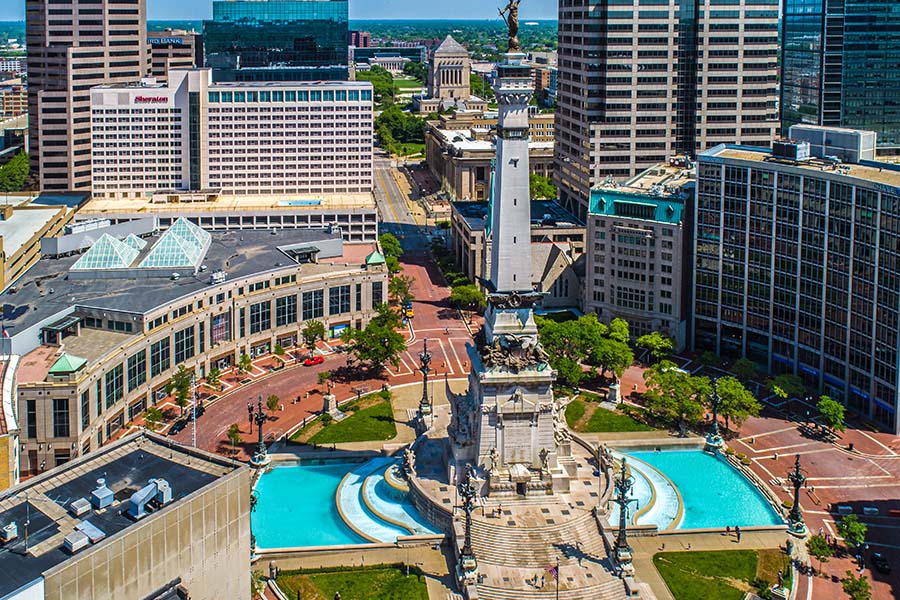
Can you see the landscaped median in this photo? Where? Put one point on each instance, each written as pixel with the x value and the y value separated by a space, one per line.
pixel 585 415
pixel 370 418
pixel 723 575
pixel 389 582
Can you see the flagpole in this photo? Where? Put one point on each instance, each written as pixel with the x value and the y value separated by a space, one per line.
pixel 557 577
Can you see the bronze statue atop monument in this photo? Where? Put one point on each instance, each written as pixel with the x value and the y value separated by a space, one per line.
pixel 510 15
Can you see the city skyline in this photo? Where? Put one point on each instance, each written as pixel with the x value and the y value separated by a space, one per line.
pixel 387 9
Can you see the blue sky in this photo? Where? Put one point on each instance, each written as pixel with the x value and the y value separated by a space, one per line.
pixel 11 10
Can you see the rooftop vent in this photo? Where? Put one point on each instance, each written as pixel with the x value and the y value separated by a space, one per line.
pixel 102 496
pixel 80 507
pixel 791 150
pixel 158 491
pixel 9 532
pixel 76 541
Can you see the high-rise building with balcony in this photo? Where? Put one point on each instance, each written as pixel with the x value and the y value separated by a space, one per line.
pixel 839 66
pixel 277 40
pixel 798 264
pixel 641 82
pixel 74 45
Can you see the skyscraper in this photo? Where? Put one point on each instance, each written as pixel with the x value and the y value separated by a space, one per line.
pixel 638 83
pixel 74 45
pixel 277 40
pixel 839 68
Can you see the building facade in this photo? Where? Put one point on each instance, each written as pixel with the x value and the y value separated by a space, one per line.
pixel 277 40
pixel 13 98
pixel 194 135
pixel 639 252
pixel 125 314
pixel 9 423
pixel 174 49
pixel 72 47
pixel 360 39
pixel 840 66
pixel 85 542
pixel 16 66
pixel 448 80
pixel 798 268
pixel 638 83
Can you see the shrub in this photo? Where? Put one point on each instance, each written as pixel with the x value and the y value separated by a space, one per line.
pixel 746 461
pixel 741 456
pixel 729 451
pixel 788 504
pixel 327 419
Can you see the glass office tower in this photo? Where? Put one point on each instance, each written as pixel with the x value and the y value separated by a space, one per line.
pixel 839 68
pixel 277 40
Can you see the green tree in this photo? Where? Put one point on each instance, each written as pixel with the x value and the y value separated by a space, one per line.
pixel 272 402
pixel 323 376
pixel 382 84
pixel 180 385
pixel 676 394
pixel 152 418
pixel 245 364
pixel 214 376
pixel 852 530
pixel 786 386
pixel 659 346
pixel 737 403
pixel 710 359
pixel 618 331
pixel 856 588
pixel 417 70
pixel 392 263
pixel 14 174
pixel 379 342
pixel 744 369
pixel 234 435
pixel 468 296
pixel 311 333
pixel 832 413
pixel 398 287
pixel 394 127
pixel 568 370
pixel 278 350
pixel 541 188
pixel 818 548
pixel 390 245
pixel 479 87
pixel 611 355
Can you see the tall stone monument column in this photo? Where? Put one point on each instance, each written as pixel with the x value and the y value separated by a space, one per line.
pixel 509 426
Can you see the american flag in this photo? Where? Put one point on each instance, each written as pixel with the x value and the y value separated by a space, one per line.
pixel 553 572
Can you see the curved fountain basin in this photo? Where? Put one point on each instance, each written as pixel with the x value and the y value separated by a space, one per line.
pixel 356 514
pixel 391 505
pixel 658 501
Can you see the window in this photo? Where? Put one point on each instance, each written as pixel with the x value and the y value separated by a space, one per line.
pixel 114 388
pixel 202 335
pixel 377 294
pixel 137 370
pixel 313 305
pixel 98 396
pixel 260 317
pixel 184 344
pixel 221 328
pixel 159 357
pixel 31 416
pixel 339 300
pixel 358 297
pixel 285 310
pixel 60 417
pixel 85 410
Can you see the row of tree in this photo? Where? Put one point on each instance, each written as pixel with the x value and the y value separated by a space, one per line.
pixel 14 174
pixel 586 341
pixel 393 127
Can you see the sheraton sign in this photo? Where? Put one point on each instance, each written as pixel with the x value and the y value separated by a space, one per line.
pixel 150 99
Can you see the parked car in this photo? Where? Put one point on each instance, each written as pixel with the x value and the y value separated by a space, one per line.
pixel 314 360
pixel 881 563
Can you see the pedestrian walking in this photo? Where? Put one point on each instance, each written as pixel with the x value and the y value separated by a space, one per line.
pixel 737 532
pixel 542 582
pixel 728 530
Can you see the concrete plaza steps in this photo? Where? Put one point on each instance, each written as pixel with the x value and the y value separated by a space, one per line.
pixel 610 589
pixel 537 547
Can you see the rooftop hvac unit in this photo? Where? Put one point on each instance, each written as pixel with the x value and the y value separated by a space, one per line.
pixel 791 150
pixel 9 532
pixel 217 277
pixel 80 507
pixel 76 541
pixel 157 490
pixel 102 496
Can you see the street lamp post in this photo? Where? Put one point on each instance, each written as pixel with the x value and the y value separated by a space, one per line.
pixel 795 518
pixel 425 369
pixel 624 552
pixel 261 456
pixel 250 416
pixel 467 566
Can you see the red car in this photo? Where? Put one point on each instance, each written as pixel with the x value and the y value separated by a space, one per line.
pixel 314 360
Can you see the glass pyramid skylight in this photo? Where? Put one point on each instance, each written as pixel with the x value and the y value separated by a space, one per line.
pixel 182 245
pixel 135 242
pixel 106 253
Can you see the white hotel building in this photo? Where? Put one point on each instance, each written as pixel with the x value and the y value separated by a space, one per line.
pixel 166 141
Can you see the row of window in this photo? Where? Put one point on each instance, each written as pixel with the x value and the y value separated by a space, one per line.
pixel 293 96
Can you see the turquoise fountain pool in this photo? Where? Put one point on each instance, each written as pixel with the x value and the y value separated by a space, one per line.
pixel 332 504
pixel 713 494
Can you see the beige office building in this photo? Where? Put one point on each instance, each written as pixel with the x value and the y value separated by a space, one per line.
pixel 174 49
pixel 640 82
pixel 72 46
pixel 142 518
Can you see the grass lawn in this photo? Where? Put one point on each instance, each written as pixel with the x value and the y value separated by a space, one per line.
pixel 724 575
pixel 374 421
pixel 384 582
pixel 407 84
pixel 589 417
pixel 409 148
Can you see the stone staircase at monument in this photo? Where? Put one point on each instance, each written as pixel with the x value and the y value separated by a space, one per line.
pixel 537 547
pixel 610 589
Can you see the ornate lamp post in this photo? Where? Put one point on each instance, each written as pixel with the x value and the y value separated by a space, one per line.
pixel 425 369
pixel 795 518
pixel 250 415
pixel 623 551
pixel 261 456
pixel 467 566
pixel 714 439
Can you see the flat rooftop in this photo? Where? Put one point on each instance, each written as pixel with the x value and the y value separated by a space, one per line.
pixel 99 207
pixel 23 225
pixel 90 344
pixel 885 173
pixel 544 213
pixel 664 179
pixel 126 466
pixel 464 139
pixel 46 290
